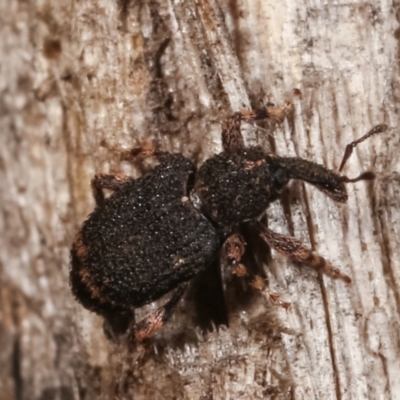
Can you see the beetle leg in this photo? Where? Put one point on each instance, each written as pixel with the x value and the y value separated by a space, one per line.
pixel 141 152
pixel 145 150
pixel 294 249
pixel 232 136
pixel 137 155
pixel 110 182
pixel 259 283
pixel 234 248
pixel 156 320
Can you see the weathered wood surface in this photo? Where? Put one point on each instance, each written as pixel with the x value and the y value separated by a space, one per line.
pixel 74 74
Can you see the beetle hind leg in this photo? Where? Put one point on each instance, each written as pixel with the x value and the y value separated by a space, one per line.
pixel 136 155
pixel 144 151
pixel 294 249
pixel 109 182
pixel 156 320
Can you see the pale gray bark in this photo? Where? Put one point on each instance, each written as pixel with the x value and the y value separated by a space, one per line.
pixel 74 74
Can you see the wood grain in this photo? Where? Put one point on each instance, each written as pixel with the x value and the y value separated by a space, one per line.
pixel 80 79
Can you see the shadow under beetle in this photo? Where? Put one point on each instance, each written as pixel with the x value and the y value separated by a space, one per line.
pixel 152 235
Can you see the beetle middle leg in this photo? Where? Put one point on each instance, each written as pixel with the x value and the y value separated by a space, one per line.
pixel 233 250
pixel 156 320
pixel 294 249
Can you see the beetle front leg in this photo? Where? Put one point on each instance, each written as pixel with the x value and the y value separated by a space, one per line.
pixel 156 320
pixel 231 133
pixel 294 249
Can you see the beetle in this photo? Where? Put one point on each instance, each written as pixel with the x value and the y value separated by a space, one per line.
pixel 153 234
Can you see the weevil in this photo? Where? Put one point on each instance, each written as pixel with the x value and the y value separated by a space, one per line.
pixel 153 234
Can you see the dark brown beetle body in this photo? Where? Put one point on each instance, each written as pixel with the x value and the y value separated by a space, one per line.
pixel 148 238
pixel 238 185
pixel 142 242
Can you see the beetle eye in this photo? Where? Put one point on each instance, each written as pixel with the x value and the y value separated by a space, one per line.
pixel 280 178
